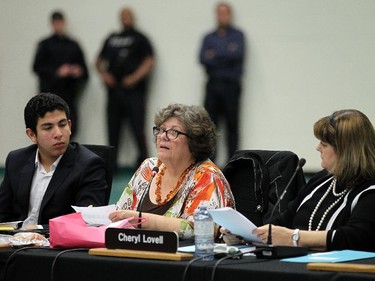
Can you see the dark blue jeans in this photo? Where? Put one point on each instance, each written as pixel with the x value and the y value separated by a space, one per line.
pixel 222 102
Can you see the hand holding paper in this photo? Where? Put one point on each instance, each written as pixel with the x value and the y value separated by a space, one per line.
pixel 235 222
pixel 96 215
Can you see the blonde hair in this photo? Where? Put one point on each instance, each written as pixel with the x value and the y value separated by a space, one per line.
pixel 352 135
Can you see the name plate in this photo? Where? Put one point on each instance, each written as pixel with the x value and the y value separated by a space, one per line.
pixel 142 240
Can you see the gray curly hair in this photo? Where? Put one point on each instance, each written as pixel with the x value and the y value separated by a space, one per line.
pixel 198 125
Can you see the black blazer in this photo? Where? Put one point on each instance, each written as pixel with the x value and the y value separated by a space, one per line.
pixel 79 179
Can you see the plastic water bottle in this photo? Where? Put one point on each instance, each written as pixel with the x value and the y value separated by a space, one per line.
pixel 203 233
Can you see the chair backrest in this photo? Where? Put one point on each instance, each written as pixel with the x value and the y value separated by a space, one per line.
pixel 258 178
pixel 107 153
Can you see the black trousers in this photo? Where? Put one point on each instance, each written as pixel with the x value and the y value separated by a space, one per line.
pixel 128 105
pixel 70 99
pixel 222 102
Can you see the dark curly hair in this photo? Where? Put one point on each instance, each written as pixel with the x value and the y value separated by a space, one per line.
pixel 39 105
pixel 198 125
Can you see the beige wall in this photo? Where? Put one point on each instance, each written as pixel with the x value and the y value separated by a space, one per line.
pixel 306 58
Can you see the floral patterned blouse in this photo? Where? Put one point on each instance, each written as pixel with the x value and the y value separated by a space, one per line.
pixel 204 183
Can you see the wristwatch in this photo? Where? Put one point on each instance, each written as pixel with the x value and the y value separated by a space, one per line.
pixel 295 237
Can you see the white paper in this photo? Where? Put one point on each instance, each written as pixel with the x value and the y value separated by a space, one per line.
pixel 235 222
pixel 96 215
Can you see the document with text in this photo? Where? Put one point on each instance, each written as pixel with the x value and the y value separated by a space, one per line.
pixel 96 215
pixel 235 222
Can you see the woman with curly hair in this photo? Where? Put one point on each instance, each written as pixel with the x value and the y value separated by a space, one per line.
pixel 185 139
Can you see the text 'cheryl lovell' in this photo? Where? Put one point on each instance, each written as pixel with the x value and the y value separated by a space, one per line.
pixel 122 237
pixel 140 239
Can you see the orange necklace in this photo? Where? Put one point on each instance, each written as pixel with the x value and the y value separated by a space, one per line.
pixel 174 190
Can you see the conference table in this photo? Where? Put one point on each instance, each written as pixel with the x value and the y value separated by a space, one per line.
pixel 41 264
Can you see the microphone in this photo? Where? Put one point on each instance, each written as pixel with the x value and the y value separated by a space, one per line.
pixel 300 164
pixel 155 170
pixel 276 252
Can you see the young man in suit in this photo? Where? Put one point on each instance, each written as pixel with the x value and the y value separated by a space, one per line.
pixel 43 180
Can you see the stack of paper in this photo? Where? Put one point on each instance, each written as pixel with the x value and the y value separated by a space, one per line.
pixel 12 225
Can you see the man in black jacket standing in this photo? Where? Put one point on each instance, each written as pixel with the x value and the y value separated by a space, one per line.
pixel 60 65
pixel 124 64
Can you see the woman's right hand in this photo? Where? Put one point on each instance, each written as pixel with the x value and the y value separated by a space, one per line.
pixel 229 238
pixel 122 214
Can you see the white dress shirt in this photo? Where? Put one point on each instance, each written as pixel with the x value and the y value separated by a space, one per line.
pixel 39 186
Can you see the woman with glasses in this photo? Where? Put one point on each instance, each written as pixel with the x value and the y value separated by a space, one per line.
pixel 335 210
pixel 185 177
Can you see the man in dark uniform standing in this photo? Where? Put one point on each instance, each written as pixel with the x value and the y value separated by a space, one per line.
pixel 60 65
pixel 124 63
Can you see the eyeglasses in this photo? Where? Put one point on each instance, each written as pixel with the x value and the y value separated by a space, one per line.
pixel 172 134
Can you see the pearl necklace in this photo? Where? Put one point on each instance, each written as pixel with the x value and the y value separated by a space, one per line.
pixel 339 195
pixel 174 190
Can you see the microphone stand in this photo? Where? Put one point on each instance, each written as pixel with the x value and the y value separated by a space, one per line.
pixel 270 251
pixel 155 170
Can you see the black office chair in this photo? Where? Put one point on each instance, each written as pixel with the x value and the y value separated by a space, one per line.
pixel 258 178
pixel 108 154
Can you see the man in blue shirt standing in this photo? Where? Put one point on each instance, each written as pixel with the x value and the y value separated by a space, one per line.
pixel 222 55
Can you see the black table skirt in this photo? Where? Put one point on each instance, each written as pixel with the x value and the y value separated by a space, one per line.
pixel 50 264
